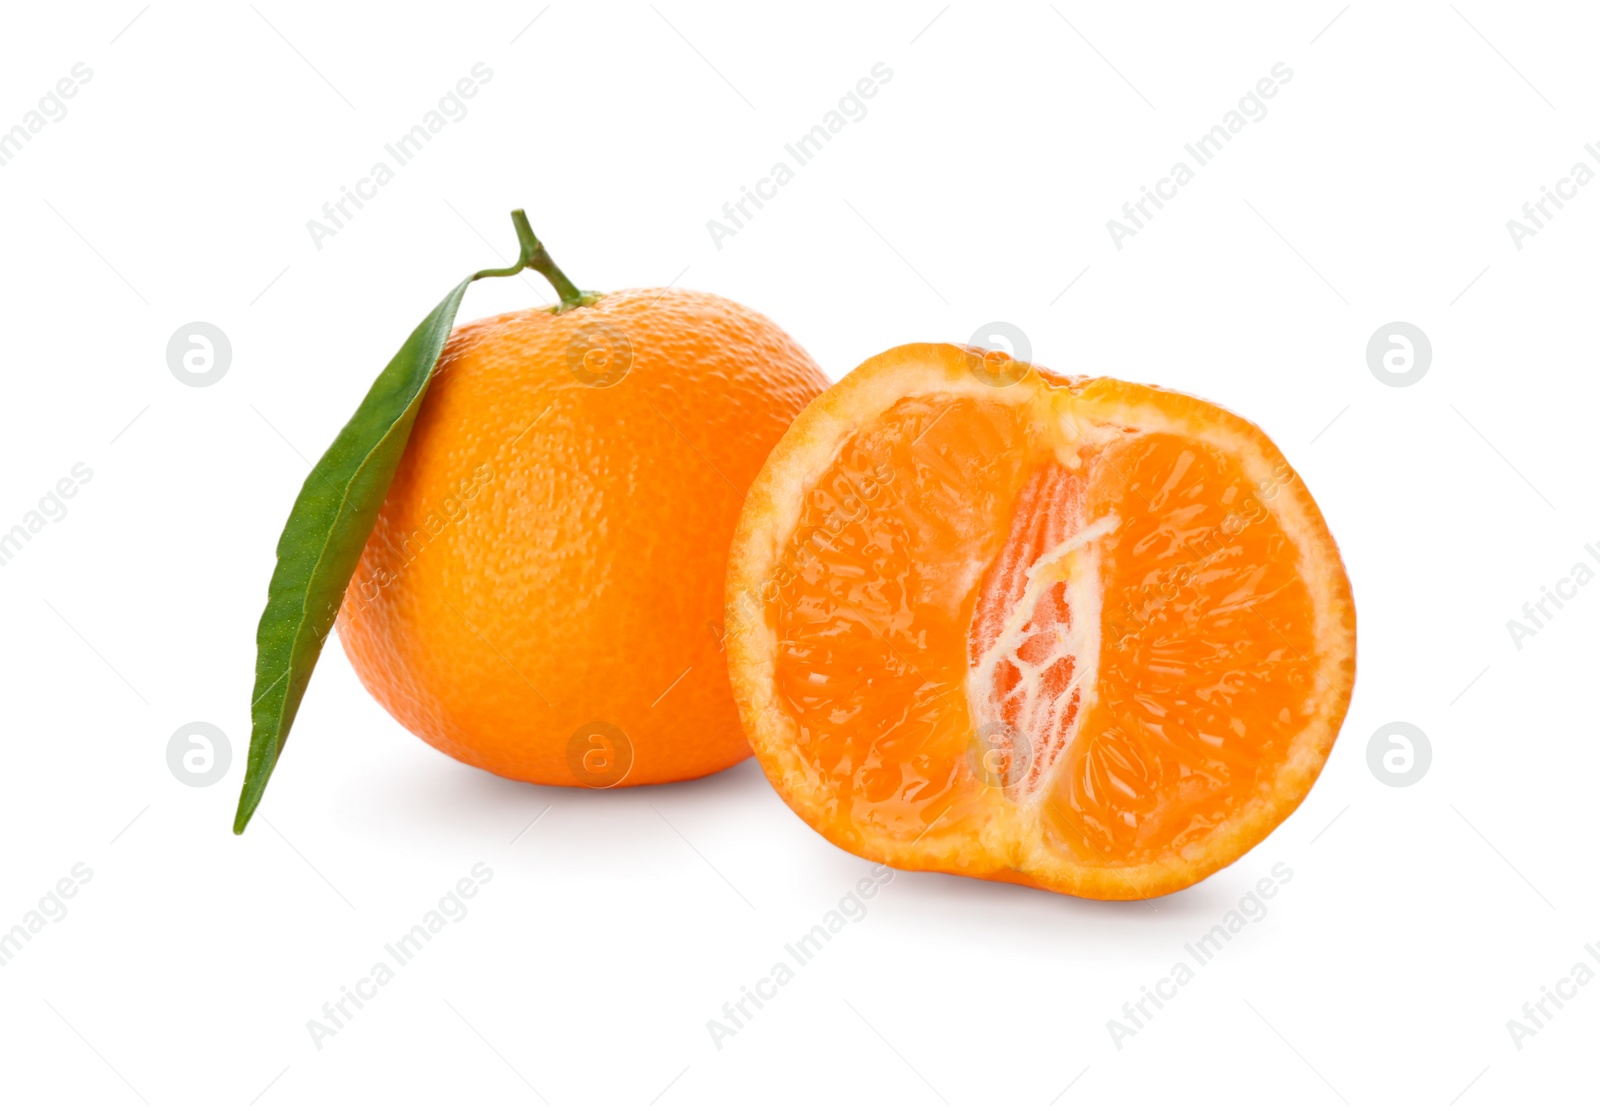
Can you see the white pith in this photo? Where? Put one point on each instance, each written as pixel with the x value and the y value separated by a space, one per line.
pixel 1075 562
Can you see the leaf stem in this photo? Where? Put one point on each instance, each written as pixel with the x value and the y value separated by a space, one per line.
pixel 533 256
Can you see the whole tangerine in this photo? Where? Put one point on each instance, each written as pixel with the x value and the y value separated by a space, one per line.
pixel 542 593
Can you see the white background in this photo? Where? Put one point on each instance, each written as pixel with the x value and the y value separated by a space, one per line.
pixel 177 189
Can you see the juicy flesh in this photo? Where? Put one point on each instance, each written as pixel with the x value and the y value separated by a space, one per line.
pixel 1104 638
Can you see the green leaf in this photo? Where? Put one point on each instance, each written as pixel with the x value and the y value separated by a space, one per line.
pixel 332 518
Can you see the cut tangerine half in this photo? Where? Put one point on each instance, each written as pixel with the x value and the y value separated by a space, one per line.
pixel 1073 633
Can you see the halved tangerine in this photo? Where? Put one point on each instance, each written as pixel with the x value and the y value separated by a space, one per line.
pixel 1073 633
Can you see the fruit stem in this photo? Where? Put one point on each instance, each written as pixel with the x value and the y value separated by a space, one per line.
pixel 533 256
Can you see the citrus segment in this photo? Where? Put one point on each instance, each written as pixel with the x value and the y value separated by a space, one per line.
pixel 1202 686
pixel 871 610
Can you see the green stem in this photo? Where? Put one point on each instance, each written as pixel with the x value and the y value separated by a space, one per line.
pixel 533 256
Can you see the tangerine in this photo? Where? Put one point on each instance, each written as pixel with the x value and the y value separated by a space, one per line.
pixel 1067 632
pixel 541 594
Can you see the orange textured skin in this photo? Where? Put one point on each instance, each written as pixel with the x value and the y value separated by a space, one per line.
pixel 552 553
